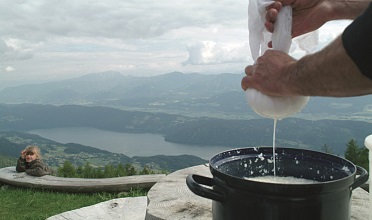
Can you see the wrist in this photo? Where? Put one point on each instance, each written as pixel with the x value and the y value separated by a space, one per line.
pixel 298 81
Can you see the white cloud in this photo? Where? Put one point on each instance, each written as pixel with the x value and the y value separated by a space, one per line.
pixel 9 69
pixel 75 37
pixel 130 19
pixel 14 49
pixel 209 52
pixel 60 39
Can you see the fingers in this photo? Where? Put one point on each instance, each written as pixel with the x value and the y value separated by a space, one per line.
pixel 276 5
pixel 269 26
pixel 271 16
pixel 270 44
pixel 245 81
pixel 272 12
pixel 249 70
pixel 23 153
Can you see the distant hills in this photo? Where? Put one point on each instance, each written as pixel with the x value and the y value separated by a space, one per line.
pixel 191 94
pixel 194 109
pixel 291 132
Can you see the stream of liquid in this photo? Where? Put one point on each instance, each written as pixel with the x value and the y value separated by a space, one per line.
pixel 274 131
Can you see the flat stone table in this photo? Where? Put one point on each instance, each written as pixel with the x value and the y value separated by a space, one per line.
pixel 9 176
pixel 122 208
pixel 170 198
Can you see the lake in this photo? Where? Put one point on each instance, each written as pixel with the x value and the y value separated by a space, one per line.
pixel 126 143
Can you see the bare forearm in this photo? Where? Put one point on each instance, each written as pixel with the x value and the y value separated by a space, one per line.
pixel 330 72
pixel 348 9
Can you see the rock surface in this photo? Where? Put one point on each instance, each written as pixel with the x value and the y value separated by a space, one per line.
pixel 360 205
pixel 124 208
pixel 170 198
pixel 9 176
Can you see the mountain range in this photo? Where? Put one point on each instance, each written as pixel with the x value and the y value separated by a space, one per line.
pixel 185 108
pixel 190 94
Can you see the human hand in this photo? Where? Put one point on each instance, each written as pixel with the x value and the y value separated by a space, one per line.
pixel 308 15
pixel 23 154
pixel 271 74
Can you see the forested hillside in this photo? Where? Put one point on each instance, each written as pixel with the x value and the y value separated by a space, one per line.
pixel 290 132
pixel 6 161
pixel 56 154
pixel 25 117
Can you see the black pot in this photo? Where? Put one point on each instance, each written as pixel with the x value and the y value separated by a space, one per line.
pixel 234 197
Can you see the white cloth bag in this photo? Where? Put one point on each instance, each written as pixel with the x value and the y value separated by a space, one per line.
pixel 275 107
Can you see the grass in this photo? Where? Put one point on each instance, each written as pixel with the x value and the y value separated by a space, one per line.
pixel 31 204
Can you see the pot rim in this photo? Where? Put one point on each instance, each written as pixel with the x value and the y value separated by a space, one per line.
pixel 238 182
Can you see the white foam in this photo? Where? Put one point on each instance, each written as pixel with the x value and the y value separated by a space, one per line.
pixel 281 180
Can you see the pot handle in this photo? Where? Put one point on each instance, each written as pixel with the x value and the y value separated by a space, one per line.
pixel 363 177
pixel 195 182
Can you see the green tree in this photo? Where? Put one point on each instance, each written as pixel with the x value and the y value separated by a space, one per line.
pixel 352 151
pixel 79 171
pixel 130 170
pixel 121 171
pixel 87 170
pixel 356 154
pixel 109 171
pixel 363 158
pixel 67 170
pixel 326 149
pixel 98 173
pixel 146 170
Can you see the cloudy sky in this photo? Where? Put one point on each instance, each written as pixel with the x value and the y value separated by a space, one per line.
pixel 53 39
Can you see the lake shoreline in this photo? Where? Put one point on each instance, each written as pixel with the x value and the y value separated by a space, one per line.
pixel 129 144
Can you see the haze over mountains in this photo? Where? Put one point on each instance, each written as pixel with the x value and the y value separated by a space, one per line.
pixel 193 94
pixel 185 108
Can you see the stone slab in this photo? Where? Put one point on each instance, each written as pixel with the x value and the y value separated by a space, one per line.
pixel 170 198
pixel 9 176
pixel 360 205
pixel 123 208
